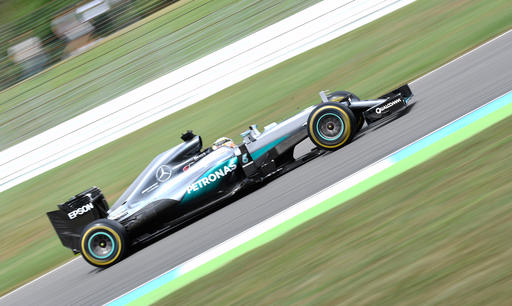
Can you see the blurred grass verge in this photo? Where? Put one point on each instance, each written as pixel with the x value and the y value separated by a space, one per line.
pixel 173 37
pixel 437 234
pixel 22 19
pixel 370 60
pixel 10 10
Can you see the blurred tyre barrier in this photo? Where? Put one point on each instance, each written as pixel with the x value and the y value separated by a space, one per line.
pixel 63 28
pixel 185 86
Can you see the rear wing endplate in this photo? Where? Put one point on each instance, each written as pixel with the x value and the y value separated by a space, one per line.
pixel 76 213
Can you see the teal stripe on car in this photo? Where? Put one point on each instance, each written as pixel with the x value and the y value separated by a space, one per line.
pixel 260 152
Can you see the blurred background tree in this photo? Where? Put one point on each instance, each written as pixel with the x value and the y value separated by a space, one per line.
pixel 36 34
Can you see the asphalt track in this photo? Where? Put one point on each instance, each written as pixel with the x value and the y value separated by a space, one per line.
pixel 442 96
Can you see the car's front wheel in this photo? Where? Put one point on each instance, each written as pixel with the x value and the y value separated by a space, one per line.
pixel 331 126
pixel 342 96
pixel 103 242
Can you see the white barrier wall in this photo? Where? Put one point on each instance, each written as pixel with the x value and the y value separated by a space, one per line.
pixel 303 31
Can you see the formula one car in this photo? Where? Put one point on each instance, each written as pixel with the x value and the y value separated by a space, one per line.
pixel 185 180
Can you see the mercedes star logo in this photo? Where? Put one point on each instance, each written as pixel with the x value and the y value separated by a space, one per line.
pixel 163 173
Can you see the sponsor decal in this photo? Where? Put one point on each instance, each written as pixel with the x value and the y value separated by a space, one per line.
pixel 212 177
pixel 80 211
pixel 379 110
pixel 163 173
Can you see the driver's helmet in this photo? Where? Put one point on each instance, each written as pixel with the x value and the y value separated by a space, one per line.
pixel 223 142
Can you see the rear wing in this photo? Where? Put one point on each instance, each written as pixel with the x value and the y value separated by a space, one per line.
pixel 76 213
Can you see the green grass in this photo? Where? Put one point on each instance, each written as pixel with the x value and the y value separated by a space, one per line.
pixel 368 61
pixel 339 199
pixel 163 42
pixel 10 10
pixel 437 234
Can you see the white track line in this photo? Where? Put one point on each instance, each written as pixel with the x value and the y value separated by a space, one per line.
pixel 296 34
pixel 275 59
pixel 284 215
pixel 460 57
pixel 421 77
pixel 35 280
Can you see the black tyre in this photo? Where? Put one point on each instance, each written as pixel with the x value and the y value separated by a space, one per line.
pixel 103 242
pixel 331 126
pixel 341 96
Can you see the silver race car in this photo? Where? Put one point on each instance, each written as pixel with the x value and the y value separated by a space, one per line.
pixel 186 180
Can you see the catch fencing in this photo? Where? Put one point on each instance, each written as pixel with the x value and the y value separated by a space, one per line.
pixel 62 28
pixel 188 85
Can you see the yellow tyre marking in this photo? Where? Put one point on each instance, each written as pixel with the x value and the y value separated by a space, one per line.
pixel 101 263
pixel 311 128
pixel 338 99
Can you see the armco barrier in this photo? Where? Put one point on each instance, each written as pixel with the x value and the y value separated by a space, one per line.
pixel 192 83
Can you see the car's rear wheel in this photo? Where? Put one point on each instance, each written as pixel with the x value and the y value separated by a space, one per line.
pixel 103 242
pixel 331 126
